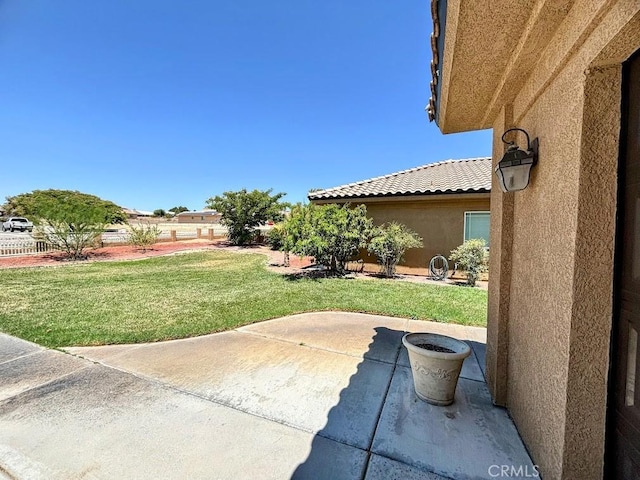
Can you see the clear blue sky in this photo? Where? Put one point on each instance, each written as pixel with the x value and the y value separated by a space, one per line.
pixel 153 104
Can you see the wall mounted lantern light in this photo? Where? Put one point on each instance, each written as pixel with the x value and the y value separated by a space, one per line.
pixel 514 169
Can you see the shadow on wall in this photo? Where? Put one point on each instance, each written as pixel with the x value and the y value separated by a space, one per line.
pixel 341 449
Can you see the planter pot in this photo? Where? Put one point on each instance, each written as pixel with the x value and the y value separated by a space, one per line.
pixel 436 361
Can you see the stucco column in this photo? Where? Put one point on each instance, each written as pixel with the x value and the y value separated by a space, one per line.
pixel 499 271
pixel 592 304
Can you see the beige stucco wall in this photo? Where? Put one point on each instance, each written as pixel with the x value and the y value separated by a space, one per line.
pixel 550 303
pixel 199 218
pixel 439 220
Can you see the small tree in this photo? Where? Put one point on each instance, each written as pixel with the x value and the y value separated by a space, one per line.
pixel 242 212
pixel 143 236
pixel 471 256
pixel 159 213
pixel 389 242
pixel 69 220
pixel 332 234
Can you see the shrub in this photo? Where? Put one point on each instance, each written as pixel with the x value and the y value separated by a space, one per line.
pixel 389 242
pixel 275 237
pixel 144 236
pixel 242 212
pixel 471 256
pixel 332 234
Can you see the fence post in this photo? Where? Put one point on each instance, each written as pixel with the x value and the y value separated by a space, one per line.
pixel 173 236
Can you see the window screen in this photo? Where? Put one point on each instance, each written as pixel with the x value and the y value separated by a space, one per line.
pixel 476 225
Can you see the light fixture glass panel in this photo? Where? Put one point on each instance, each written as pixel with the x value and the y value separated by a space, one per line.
pixel 515 177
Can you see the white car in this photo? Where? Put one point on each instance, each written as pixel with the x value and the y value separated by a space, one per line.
pixel 17 223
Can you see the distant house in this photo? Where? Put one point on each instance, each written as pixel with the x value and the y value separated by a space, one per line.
pixel 203 216
pixel 133 213
pixel 446 203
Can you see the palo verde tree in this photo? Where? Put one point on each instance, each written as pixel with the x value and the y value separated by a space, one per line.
pixel 69 220
pixel 242 212
pixel 332 234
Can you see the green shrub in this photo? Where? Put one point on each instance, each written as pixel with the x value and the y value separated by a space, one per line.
pixel 332 234
pixel 243 212
pixel 389 242
pixel 144 236
pixel 473 257
pixel 275 237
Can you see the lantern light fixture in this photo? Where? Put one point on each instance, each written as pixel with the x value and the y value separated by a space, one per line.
pixel 514 170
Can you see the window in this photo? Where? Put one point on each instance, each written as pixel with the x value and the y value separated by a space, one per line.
pixel 476 225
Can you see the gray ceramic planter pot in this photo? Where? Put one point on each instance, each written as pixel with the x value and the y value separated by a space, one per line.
pixel 435 373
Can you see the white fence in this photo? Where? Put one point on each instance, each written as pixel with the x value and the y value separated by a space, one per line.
pixel 30 246
pixel 13 248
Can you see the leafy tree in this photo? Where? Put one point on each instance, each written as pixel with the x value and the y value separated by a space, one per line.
pixel 33 204
pixel 159 213
pixel 179 209
pixel 471 256
pixel 70 220
pixel 143 236
pixel 242 212
pixel 332 234
pixel 389 242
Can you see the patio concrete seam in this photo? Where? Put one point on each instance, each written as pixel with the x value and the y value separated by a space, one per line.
pixel 379 414
pixel 131 347
pixel 482 370
pixel 415 467
pixel 23 356
pixel 313 347
pixel 44 384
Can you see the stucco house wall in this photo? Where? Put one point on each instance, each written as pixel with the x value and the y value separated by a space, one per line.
pixel 552 258
pixel 439 220
pixel 198 217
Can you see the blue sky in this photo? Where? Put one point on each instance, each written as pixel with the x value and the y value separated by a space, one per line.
pixel 153 104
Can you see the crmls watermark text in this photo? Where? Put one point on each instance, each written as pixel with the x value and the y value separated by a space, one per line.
pixel 514 471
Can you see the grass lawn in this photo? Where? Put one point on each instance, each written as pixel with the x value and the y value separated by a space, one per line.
pixel 197 293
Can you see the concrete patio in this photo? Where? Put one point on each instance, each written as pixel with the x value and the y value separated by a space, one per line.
pixel 314 396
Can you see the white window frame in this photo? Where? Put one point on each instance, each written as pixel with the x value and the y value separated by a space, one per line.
pixel 464 227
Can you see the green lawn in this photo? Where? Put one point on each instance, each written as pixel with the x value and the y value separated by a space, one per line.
pixel 198 293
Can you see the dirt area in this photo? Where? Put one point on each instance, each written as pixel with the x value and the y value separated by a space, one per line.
pixel 128 252
pixel 297 266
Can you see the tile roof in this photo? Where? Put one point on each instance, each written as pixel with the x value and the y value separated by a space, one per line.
pixel 472 175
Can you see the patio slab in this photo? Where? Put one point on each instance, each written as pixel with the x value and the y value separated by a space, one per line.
pixel 356 334
pixel 100 423
pixel 306 397
pixel 12 348
pixel 30 371
pixel 461 441
pixel 278 380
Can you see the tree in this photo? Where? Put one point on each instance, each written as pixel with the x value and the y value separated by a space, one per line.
pixel 389 242
pixel 332 234
pixel 471 256
pixel 159 213
pixel 242 212
pixel 179 209
pixel 32 204
pixel 69 220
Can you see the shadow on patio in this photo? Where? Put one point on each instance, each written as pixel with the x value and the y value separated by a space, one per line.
pixel 396 435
